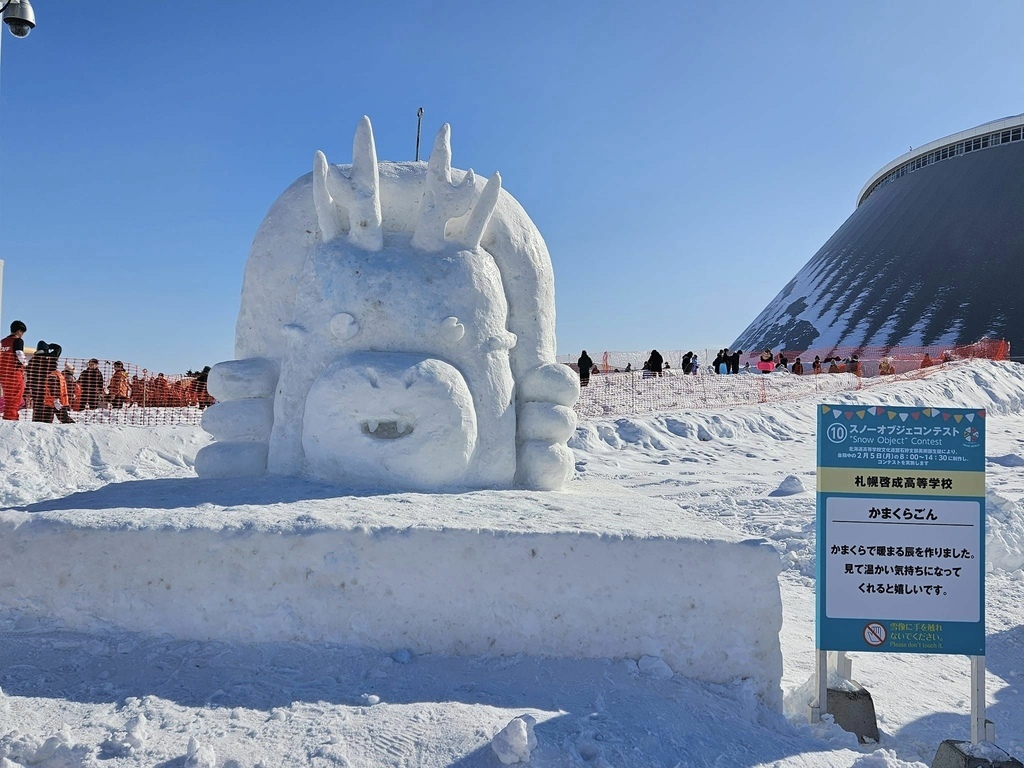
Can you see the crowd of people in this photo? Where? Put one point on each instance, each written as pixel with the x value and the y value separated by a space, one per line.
pixel 726 362
pixel 34 382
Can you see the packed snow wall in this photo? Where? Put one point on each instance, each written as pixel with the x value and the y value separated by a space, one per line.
pixel 539 574
pixel 396 331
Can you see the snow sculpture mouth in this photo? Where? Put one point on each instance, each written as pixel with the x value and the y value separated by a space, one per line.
pixel 382 429
pixel 376 416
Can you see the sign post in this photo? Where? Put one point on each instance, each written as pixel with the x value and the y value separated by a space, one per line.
pixel 901 536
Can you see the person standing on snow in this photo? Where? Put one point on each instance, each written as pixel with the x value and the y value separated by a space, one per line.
pixel 54 400
pixel 35 376
pixel 585 364
pixel 92 385
pixel 656 361
pixel 118 385
pixel 74 388
pixel 12 370
pixel 734 361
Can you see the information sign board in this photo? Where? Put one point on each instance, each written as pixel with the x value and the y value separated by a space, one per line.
pixel 901 529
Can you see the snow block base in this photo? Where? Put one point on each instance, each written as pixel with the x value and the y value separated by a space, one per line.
pixel 576 574
pixel 962 754
pixel 854 711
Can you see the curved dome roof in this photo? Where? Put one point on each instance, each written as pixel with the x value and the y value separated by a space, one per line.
pixel 931 257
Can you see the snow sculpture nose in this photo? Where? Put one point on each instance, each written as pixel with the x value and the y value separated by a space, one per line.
pixel 390 420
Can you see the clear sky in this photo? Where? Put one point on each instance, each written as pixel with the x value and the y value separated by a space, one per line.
pixel 683 160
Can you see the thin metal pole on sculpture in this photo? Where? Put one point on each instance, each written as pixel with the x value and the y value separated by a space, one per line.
pixel 419 124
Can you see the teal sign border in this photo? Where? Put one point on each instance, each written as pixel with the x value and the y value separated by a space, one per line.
pixel 959 446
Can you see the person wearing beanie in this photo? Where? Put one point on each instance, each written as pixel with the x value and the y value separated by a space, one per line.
pixel 119 385
pixel 35 377
pixel 92 385
pixel 74 388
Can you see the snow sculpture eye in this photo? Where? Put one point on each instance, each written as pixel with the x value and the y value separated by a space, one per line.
pixel 344 326
pixel 452 329
pixel 504 340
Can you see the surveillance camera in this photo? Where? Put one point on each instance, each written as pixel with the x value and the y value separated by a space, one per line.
pixel 19 17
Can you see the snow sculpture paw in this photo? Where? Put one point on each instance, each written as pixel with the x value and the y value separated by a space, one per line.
pixel 241 420
pixel 546 422
pixel 396 331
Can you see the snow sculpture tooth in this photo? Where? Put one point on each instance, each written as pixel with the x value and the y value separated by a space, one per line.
pixel 371 424
pixel 452 329
pixel 373 377
pixel 400 426
pixel 482 210
pixel 358 194
pixel 441 199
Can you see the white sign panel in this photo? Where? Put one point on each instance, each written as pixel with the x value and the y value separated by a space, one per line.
pixel 910 559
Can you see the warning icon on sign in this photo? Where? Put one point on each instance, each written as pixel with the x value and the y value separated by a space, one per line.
pixel 874 633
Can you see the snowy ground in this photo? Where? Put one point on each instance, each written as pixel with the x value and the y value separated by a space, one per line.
pixel 111 698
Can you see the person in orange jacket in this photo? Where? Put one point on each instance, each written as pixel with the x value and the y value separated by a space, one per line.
pixel 74 388
pixel 927 362
pixel 119 385
pixel 12 370
pixel 55 392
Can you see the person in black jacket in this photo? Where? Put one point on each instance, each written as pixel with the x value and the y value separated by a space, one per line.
pixel 585 364
pixel 656 361
pixel 92 385
pixel 719 359
pixel 733 361
pixel 35 376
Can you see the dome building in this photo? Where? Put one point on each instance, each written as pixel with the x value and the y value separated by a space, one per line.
pixel 932 255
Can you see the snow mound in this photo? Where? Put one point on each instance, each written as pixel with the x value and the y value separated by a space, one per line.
pixel 791 486
pixel 514 743
pixel 1004 539
pixel 1009 460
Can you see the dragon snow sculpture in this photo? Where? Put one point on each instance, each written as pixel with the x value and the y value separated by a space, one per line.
pixel 396 331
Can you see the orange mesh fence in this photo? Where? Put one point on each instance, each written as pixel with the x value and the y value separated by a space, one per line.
pixel 112 392
pixel 875 361
pixel 633 392
pixel 612 392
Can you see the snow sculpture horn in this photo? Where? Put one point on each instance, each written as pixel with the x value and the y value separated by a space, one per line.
pixel 350 203
pixel 397 332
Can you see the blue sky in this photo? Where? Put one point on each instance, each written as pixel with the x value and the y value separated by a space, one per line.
pixel 682 160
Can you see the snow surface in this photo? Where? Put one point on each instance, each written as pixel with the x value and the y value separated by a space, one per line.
pixel 102 696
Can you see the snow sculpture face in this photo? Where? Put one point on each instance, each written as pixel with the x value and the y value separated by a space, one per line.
pixel 396 367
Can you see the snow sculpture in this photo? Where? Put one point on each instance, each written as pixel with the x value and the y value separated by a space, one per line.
pixel 396 331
